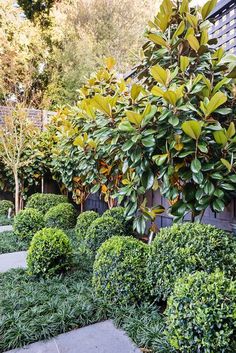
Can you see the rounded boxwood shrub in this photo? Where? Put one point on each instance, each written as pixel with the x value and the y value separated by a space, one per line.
pixel 201 314
pixel 27 222
pixel 99 231
pixel 43 202
pixel 50 253
pixel 187 248
pixel 84 220
pixel 61 216
pixel 119 214
pixel 4 207
pixel 119 271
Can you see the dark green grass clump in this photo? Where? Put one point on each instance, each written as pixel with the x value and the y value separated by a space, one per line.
pixel 33 310
pixel 9 242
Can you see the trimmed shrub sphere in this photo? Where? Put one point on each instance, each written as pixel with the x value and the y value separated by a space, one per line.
pixel 27 222
pixel 99 231
pixel 62 216
pixel 84 221
pixel 4 207
pixel 187 248
pixel 119 271
pixel 43 202
pixel 201 314
pixel 119 214
pixel 50 253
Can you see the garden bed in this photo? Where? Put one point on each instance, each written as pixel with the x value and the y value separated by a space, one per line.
pixel 33 310
pixel 9 242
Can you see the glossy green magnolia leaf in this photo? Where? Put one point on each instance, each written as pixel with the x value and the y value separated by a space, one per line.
pixel 226 164
pixel 135 91
pixel 147 180
pixel 216 101
pixel 184 8
pixel 196 166
pixel 157 91
pixel 219 193
pixel 125 126
pixel 180 29
pixel 95 188
pixel 198 178
pixel 178 209
pixel 193 20
pixel 184 63
pixel 104 104
pixel 193 42
pixel 232 178
pixel 204 37
pixel 220 84
pixel 158 40
pixel 160 159
pixel 160 75
pixel 79 141
pixel 126 147
pixel 228 186
pixel 192 128
pixel 231 130
pixel 218 205
pixel 209 188
pixel 220 137
pixel 134 118
pixel 148 141
pixel 207 8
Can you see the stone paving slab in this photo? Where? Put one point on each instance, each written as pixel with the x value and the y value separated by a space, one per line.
pixel 103 337
pixel 12 260
pixel 6 229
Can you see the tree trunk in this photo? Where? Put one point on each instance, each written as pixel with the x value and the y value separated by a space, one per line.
pixel 17 191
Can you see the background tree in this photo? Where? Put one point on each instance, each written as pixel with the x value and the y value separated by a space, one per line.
pixel 23 56
pixel 17 140
pixel 84 32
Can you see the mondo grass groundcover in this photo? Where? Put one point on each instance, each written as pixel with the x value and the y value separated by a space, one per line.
pixel 9 242
pixel 32 310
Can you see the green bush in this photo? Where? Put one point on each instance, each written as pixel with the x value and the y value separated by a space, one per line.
pixel 84 220
pixel 118 213
pixel 50 252
pixel 61 216
pixel 99 231
pixel 201 314
pixel 4 207
pixel 43 202
pixel 187 248
pixel 27 222
pixel 119 271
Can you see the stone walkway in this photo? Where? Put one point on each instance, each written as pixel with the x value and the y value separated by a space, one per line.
pixel 103 337
pixel 6 229
pixel 12 260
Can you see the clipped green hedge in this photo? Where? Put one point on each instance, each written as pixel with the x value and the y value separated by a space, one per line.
pixel 84 221
pixel 187 248
pixel 43 202
pixel 62 216
pixel 50 253
pixel 27 222
pixel 201 314
pixel 99 231
pixel 118 213
pixel 119 271
pixel 4 207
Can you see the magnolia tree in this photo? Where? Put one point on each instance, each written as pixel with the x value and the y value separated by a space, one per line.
pixel 172 130
pixel 17 145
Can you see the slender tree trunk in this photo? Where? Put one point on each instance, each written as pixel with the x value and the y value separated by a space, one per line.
pixel 17 191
